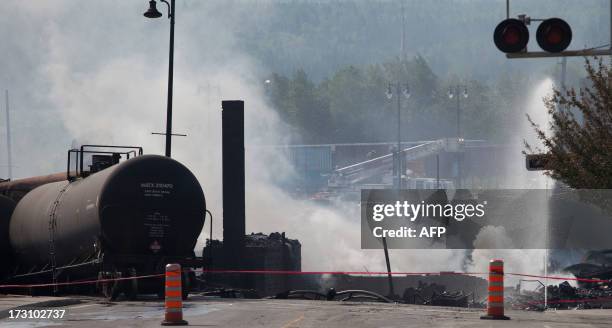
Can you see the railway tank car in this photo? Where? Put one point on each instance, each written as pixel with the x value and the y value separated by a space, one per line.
pixel 7 206
pixel 130 218
pixel 16 189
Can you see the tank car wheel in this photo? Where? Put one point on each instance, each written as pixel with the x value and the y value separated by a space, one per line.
pixel 109 289
pixel 132 288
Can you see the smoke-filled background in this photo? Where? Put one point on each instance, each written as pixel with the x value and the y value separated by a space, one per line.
pixel 96 72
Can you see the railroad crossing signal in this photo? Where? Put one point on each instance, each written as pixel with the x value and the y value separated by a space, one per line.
pixel 553 35
pixel 537 162
pixel 511 35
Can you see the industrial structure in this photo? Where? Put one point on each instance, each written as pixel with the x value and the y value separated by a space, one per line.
pixel 428 164
pixel 239 251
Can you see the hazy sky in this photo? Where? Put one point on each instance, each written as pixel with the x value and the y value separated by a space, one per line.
pixel 96 71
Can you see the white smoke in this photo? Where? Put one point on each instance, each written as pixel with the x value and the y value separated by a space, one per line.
pixel 493 237
pixel 493 243
pixel 531 261
pixel 103 70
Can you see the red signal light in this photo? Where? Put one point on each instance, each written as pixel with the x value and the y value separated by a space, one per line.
pixel 554 35
pixel 511 35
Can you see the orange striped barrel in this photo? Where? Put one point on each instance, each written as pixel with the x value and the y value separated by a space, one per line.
pixel 174 297
pixel 495 300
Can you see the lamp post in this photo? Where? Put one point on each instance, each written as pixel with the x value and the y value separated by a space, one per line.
pixel 397 163
pixel 152 12
pixel 454 92
pixel 403 89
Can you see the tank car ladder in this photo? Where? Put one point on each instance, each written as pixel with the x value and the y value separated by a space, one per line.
pixel 52 227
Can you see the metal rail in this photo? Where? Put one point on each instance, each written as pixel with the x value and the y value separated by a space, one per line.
pixel 128 151
pixel 358 172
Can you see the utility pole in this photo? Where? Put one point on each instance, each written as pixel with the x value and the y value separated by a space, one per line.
pixel 172 14
pixel 154 13
pixel 563 72
pixel 403 44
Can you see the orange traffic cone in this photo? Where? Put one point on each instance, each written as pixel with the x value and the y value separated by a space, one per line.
pixel 495 305
pixel 174 294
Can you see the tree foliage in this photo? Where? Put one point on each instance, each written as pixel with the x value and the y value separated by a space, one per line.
pixel 351 105
pixel 580 143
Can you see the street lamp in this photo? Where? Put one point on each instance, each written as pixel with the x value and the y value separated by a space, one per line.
pixel 455 92
pixel 152 12
pixel 267 86
pixel 403 89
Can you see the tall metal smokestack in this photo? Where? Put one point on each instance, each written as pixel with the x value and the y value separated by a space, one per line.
pixel 8 139
pixel 232 117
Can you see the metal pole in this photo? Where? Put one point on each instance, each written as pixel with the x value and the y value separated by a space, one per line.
pixel 398 184
pixel 210 244
pixel 458 113
pixel 403 46
pixel 563 73
pixel 170 82
pixel 391 291
pixel 8 138
pixel 399 138
pixel 546 275
pixel 610 24
pixel 507 9
pixel 459 168
pixel 437 171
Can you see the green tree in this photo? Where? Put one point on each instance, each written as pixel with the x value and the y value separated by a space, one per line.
pixel 351 106
pixel 580 146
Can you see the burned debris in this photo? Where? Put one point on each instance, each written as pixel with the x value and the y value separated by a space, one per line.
pixel 593 287
pixel 274 252
pixel 562 297
pixel 436 294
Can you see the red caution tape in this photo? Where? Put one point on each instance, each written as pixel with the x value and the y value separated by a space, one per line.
pixel 558 278
pixel 289 272
pixel 363 273
pixel 577 300
pixel 84 282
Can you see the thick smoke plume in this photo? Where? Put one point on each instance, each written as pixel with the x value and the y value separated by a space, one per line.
pixel 95 72
pixel 103 76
